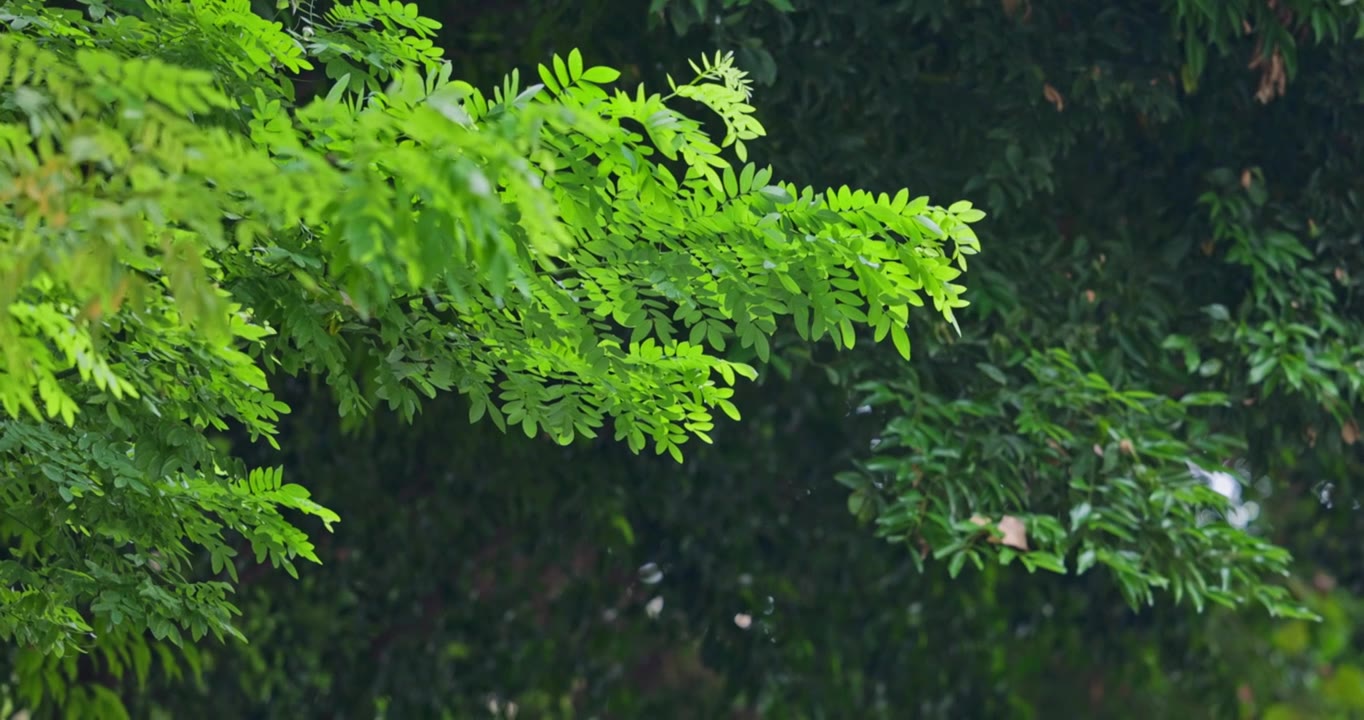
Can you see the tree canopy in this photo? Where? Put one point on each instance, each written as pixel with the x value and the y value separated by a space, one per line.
pixel 244 245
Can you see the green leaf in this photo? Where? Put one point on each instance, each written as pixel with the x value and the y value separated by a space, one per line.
pixel 777 194
pixel 954 565
pixel 547 77
pixel 990 371
pixel 561 72
pixel 1078 515
pixel 1261 370
pixel 901 340
pixel 575 64
pixel 1047 561
pixel 600 75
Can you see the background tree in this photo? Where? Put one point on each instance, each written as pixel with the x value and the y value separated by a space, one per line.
pixel 1170 284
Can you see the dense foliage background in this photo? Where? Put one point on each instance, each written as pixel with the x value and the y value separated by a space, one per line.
pixel 1170 274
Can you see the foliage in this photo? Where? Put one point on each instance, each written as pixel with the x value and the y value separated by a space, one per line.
pixel 1130 505
pixel 1173 297
pixel 564 255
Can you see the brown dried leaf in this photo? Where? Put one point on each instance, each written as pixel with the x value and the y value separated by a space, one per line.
pixel 1273 77
pixel 1349 432
pixel 1053 96
pixel 1015 532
